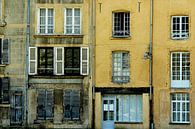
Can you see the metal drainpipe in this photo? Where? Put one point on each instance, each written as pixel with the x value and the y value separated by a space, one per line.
pixel 93 15
pixel 151 65
pixel 27 63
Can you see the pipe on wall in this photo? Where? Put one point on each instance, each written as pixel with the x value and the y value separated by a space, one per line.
pixel 151 65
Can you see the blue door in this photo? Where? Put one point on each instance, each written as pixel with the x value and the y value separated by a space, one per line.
pixel 108 113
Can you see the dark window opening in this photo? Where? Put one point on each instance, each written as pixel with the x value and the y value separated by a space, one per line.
pixel 45 61
pixel 72 61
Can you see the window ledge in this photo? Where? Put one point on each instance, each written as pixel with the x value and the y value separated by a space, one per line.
pixel 128 122
pixel 56 36
pixel 4 105
pixel 187 123
pixel 120 38
pixel 2 65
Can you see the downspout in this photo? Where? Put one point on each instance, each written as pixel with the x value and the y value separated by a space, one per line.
pixel 151 65
pixel 93 22
pixel 27 63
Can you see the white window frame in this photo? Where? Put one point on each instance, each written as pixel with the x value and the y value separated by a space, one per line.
pixel 180 28
pixel 179 83
pixel 58 61
pixel 121 68
pixel 73 10
pixel 46 21
pixel 180 110
pixel 113 25
pixel 35 61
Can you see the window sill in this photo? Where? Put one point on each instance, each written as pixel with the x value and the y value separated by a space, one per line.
pixel 187 123
pixel 120 38
pixel 128 122
pixel 4 105
pixel 2 65
pixel 56 36
pixel 180 39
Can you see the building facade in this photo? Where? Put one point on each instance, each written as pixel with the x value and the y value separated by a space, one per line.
pixel 173 64
pixel 121 72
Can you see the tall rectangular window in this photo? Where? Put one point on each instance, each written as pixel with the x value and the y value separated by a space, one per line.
pixel 121 21
pixel 45 105
pixel 180 108
pixel 120 66
pixel 16 108
pixel 180 27
pixel 180 69
pixel 45 61
pixel 4 51
pixel 72 61
pixel 71 104
pixel 72 22
pixel 129 108
pixel 46 21
pixel 4 90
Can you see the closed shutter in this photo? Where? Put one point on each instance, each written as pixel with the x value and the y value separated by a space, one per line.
pixel 5 51
pixel 49 104
pixel 59 60
pixel 67 104
pixel 32 60
pixel 5 89
pixel 84 61
pixel 75 104
pixel 41 104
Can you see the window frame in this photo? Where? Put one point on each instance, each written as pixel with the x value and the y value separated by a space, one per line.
pixel 121 71
pixel 46 21
pixel 113 25
pixel 180 28
pixel 180 83
pixel 73 16
pixel 180 110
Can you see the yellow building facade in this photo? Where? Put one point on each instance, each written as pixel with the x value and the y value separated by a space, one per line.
pixel 121 72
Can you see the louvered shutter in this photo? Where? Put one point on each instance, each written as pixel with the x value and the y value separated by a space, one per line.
pixel 75 100
pixel 5 89
pixel 49 104
pixel 84 69
pixel 59 60
pixel 67 104
pixel 41 104
pixel 5 51
pixel 32 60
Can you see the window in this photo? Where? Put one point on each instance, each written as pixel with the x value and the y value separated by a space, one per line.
pixel 4 90
pixel 45 104
pixel 72 61
pixel 180 108
pixel 45 62
pixel 72 21
pixel 180 27
pixel 16 108
pixel 121 26
pixel 120 67
pixel 59 61
pixel 129 108
pixel 46 21
pixel 71 104
pixel 180 69
pixel 4 51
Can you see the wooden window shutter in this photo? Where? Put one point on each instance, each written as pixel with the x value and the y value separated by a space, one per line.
pixel 32 60
pixel 84 68
pixel 75 100
pixel 59 60
pixel 67 104
pixel 49 104
pixel 5 89
pixel 41 104
pixel 5 51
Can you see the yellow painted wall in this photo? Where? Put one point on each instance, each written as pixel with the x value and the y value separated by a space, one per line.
pixel 136 44
pixel 163 45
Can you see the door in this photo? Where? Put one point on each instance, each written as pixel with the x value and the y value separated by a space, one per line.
pixel 108 113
